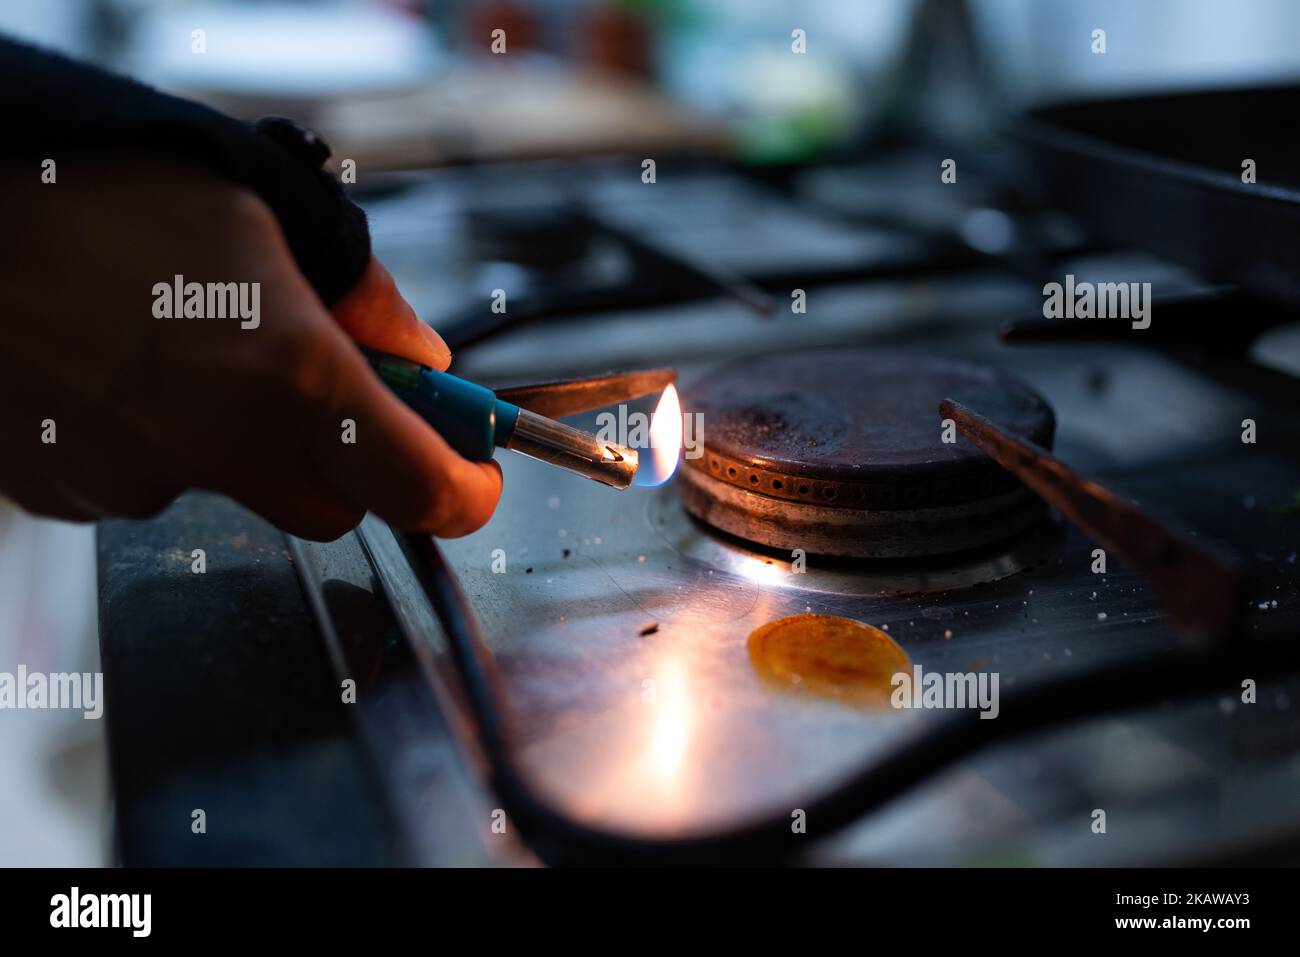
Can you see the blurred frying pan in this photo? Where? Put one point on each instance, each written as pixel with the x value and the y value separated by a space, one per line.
pixel 1164 173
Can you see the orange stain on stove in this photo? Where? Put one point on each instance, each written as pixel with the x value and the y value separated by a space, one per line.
pixel 828 656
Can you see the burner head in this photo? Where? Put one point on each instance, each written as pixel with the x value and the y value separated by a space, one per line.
pixel 841 452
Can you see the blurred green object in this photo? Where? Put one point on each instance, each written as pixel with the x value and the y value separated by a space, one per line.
pixel 789 138
pixel 791 83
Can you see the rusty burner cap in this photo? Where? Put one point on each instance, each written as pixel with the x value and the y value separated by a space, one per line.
pixel 840 452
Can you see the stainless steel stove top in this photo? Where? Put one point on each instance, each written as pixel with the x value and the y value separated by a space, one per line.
pixel 620 624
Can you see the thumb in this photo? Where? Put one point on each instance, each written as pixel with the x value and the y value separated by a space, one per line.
pixel 374 314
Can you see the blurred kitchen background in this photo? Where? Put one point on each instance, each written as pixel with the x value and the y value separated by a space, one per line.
pixel 405 84
pixel 413 82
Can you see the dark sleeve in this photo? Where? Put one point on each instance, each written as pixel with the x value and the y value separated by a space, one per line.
pixel 52 104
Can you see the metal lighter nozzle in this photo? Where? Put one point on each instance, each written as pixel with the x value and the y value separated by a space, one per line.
pixel 475 422
pixel 541 438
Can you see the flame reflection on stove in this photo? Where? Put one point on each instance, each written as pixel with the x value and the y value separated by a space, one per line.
pixel 650 769
pixel 672 723
pixel 659 462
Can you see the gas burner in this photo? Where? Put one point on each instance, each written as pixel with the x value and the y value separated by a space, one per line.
pixel 833 576
pixel 842 452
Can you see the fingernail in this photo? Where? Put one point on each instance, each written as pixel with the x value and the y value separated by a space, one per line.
pixel 436 341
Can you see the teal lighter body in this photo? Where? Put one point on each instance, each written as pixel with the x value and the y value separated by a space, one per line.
pixel 476 423
pixel 469 416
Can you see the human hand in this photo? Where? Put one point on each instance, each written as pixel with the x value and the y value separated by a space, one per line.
pixel 143 407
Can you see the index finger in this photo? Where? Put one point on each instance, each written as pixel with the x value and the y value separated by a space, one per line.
pixel 374 314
